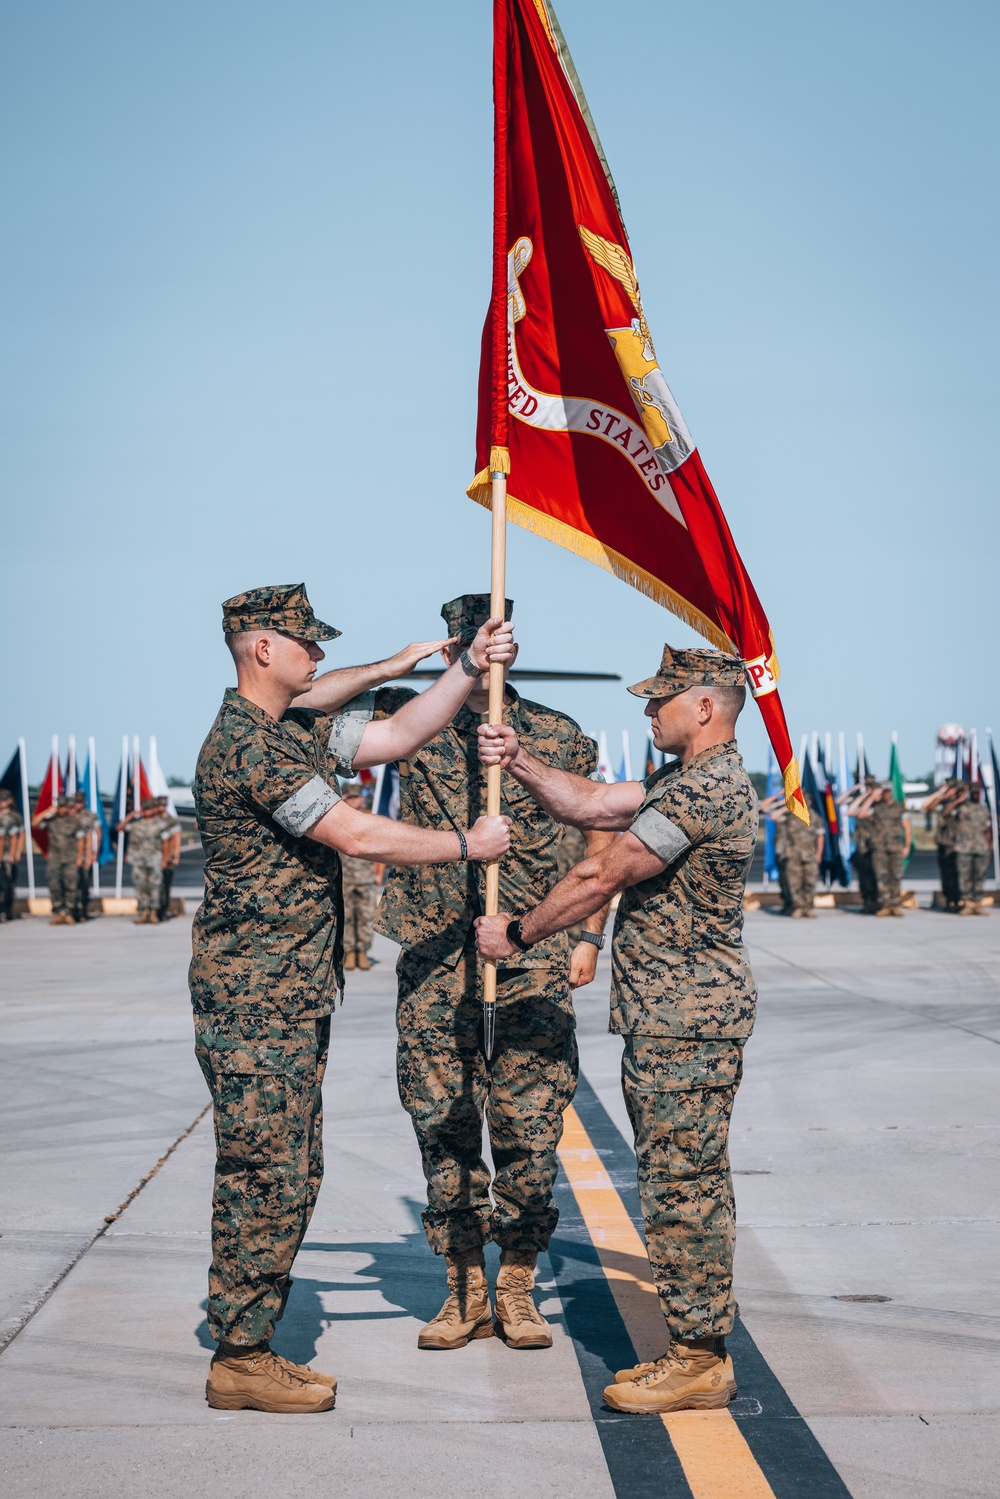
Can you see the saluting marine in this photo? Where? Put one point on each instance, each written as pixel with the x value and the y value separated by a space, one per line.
pixel 445 1082
pixel 973 844
pixel 59 822
pixel 267 959
pixel 170 837
pixel 88 833
pixel 145 856
pixel 798 849
pixel 683 995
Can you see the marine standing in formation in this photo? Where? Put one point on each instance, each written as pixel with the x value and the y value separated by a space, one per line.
pixel 171 840
pixel 890 836
pixel 267 959
pixel 944 804
pixel 11 849
pixel 683 995
pixel 62 859
pixel 862 857
pixel 798 849
pixel 360 893
pixel 145 830
pixel 446 1084
pixel 88 833
pixel 973 844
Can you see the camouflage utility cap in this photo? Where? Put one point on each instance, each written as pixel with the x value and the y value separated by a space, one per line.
pixel 464 615
pixel 283 607
pixel 148 803
pixel 682 669
pixel 79 798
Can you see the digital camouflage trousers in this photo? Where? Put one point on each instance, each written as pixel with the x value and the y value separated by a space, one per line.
pixel 265 1077
pixel 888 866
pixel 679 1095
pixel 359 917
pixel 447 1087
pixel 147 877
pixel 60 875
pixel 970 871
pixel 797 877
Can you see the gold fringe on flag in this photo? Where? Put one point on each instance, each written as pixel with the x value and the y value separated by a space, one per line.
pixel 480 489
pixel 794 799
pixel 595 551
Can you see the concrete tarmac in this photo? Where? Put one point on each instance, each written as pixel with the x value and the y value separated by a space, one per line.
pixel 865 1143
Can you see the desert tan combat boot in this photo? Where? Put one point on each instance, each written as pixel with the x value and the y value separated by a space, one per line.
pixel 466 1313
pixel 364 962
pixel 521 1323
pixel 303 1371
pixel 348 961
pixel 684 1379
pixel 255 1379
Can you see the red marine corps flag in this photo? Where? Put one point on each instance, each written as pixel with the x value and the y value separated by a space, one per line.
pixel 573 405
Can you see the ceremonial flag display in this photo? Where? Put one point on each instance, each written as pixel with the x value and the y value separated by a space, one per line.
pixel 573 405
pixel 48 793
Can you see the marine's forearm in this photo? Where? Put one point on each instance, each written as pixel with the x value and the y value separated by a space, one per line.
pixel 574 799
pixel 417 721
pixel 334 689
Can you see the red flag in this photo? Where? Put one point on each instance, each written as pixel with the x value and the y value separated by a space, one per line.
pixel 50 789
pixel 573 405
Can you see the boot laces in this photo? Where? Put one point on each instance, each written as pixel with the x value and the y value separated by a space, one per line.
pixel 516 1292
pixel 672 1359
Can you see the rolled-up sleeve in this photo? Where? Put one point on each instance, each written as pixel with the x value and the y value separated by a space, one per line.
pixel 661 836
pixel 304 808
pixel 347 728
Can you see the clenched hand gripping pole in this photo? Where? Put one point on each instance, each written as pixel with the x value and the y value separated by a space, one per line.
pixel 498 568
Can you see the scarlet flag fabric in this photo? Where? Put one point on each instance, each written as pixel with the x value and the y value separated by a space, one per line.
pixel 48 793
pixel 573 405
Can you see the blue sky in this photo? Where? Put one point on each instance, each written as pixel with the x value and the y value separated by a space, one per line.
pixel 243 271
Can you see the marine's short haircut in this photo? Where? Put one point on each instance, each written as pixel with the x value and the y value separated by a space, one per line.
pixel 729 700
pixel 241 644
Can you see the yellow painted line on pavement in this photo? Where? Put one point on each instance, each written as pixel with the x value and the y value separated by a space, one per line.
pixel 711 1449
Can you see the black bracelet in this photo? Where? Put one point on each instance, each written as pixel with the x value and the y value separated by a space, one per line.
pixel 469 666
pixel 463 847
pixel 515 935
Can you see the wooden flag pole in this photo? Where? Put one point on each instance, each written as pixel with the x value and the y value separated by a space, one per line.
pixel 498 601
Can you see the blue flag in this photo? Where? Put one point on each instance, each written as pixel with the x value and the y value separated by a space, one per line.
pixel 105 853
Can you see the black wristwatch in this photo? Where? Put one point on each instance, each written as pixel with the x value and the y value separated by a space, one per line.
pixel 594 938
pixel 514 935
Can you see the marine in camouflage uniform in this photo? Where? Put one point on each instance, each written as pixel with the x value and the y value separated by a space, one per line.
pixel 145 857
pixel 944 836
pixel 266 967
pixel 683 999
pixel 59 823
pixel 360 895
pixel 889 824
pixel 87 825
pixel 972 842
pixel 861 858
pixel 445 1082
pixel 11 839
pixel 171 846
pixel 795 851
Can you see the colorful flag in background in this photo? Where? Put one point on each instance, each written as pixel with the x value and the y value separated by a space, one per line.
pixel 816 781
pixel 650 766
pixel 105 852
pixel 49 791
pixel 573 405
pixel 896 778
pixel 11 781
